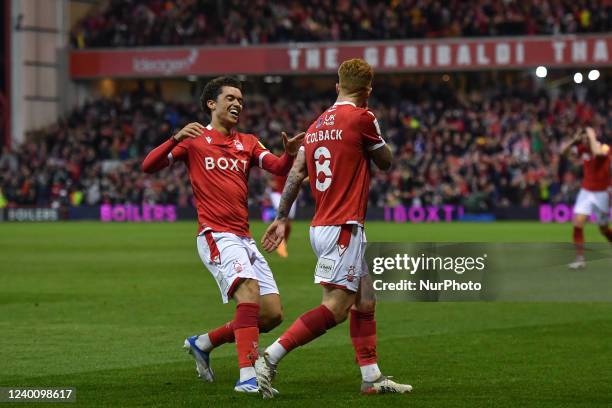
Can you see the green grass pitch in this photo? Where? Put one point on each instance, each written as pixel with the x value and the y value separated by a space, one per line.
pixel 105 308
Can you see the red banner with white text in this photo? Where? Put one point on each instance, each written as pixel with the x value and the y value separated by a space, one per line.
pixel 386 56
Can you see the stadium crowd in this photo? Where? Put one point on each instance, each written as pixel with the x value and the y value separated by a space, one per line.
pixel 480 149
pixel 136 23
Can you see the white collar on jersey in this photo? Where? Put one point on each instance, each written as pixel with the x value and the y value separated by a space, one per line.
pixel 209 127
pixel 345 103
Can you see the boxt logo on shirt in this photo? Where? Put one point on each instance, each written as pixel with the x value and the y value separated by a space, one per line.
pixel 222 163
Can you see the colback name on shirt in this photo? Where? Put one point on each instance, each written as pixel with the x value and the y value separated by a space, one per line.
pixel 322 135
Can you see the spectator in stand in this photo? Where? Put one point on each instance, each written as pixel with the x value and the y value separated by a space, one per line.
pixel 138 23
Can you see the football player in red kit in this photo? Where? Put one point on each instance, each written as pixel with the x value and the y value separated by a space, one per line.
pixel 336 157
pixel 594 197
pixel 218 159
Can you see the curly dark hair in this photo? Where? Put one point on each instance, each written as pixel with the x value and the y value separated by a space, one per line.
pixel 214 88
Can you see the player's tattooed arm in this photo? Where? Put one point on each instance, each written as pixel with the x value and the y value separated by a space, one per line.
pixel 292 187
pixel 275 233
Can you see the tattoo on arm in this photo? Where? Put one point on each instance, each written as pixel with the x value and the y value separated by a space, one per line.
pixel 292 186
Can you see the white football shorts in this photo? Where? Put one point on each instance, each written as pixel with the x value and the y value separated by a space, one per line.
pixel 340 251
pixel 230 258
pixel 275 197
pixel 593 202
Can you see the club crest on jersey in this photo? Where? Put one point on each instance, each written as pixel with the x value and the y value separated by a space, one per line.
pixel 350 274
pixel 237 266
pixel 208 139
pixel 238 145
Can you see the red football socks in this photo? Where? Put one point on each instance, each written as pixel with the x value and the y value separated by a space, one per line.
pixel 246 333
pixel 307 327
pixel 579 240
pixel 223 334
pixel 363 336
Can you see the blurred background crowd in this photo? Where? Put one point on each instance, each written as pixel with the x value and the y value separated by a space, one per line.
pixel 136 23
pixel 483 148
pixel 491 144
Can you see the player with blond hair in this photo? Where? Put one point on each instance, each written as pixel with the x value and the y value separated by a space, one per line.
pixel 336 156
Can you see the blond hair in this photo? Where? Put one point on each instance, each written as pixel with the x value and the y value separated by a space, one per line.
pixel 355 76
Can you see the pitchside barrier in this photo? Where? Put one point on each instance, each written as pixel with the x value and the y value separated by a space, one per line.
pixel 545 213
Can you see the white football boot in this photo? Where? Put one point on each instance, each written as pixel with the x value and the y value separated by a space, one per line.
pixel 384 385
pixel 579 263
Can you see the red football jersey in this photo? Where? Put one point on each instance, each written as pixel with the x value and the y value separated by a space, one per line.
pixel 596 169
pixel 218 168
pixel 336 147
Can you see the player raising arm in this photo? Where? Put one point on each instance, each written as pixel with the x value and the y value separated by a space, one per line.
pixel 593 197
pixel 336 157
pixel 218 159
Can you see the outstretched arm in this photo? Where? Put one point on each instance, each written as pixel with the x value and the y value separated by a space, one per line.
pixel 281 165
pixel 567 145
pixel 598 149
pixel 157 158
pixel 276 231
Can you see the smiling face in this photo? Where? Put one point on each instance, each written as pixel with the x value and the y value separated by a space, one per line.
pixel 227 107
